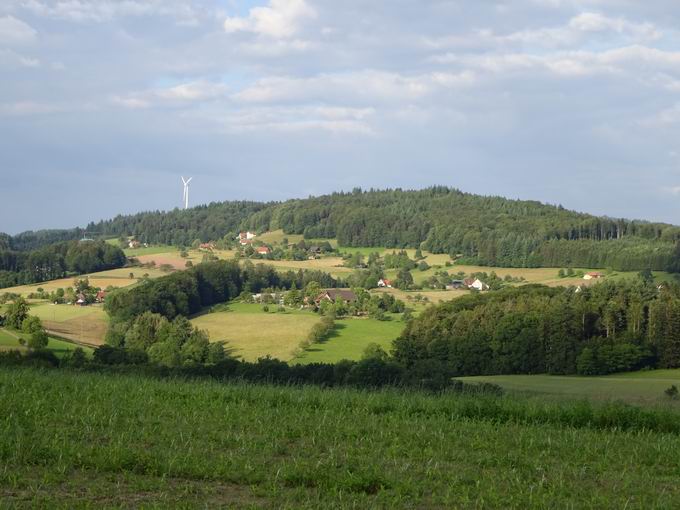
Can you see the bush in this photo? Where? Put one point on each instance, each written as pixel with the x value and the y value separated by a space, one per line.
pixel 671 392
pixel 38 340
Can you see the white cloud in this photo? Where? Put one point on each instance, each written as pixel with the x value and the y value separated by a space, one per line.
pixel 12 59
pixel 185 93
pixel 13 31
pixel 281 19
pixel 22 108
pixel 362 86
pixel 339 120
pixel 81 11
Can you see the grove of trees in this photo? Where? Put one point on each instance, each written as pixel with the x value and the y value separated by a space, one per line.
pixel 610 327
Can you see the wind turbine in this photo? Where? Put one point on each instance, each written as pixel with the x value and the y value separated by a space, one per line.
pixel 185 197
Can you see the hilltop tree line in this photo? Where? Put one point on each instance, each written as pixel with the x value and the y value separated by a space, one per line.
pixel 482 230
pixel 606 328
pixel 57 261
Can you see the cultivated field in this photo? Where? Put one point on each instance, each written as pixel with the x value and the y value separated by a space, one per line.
pixel 331 265
pixel 644 387
pixel 251 333
pixel 104 279
pixel 350 338
pixel 433 296
pixel 9 341
pixel 128 441
pixel 81 324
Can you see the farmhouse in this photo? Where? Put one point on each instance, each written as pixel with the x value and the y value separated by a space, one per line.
pixel 592 276
pixel 332 295
pixel 133 243
pixel 207 246
pixel 263 250
pixel 475 283
pixel 384 282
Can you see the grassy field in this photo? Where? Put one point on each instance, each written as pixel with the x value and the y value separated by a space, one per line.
pixel 277 236
pixel 645 387
pixel 331 265
pixel 82 324
pixel 349 339
pixel 150 250
pixel 251 333
pixel 104 279
pixel 433 296
pixel 9 341
pixel 78 440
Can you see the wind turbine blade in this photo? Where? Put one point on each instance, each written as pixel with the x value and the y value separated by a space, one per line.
pixel 189 180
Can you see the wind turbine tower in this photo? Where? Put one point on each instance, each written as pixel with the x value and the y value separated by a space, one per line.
pixel 185 197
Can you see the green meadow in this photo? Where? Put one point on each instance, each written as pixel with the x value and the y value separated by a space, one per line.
pixel 349 339
pixel 80 440
pixel 644 387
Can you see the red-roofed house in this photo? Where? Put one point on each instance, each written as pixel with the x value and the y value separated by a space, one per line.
pixel 263 250
pixel 384 282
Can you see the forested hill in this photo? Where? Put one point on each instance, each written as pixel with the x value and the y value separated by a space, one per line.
pixel 480 229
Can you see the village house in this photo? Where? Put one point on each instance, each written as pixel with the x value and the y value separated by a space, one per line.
pixel 314 253
pixel 133 243
pixel 263 250
pixel 101 296
pixel 332 295
pixel 592 276
pixel 384 282
pixel 207 246
pixel 455 284
pixel 475 283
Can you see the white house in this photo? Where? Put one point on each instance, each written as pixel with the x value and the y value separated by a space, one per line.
pixel 384 282
pixel 592 276
pixel 476 284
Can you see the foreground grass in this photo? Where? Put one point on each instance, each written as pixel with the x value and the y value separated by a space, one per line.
pixel 644 387
pixel 75 440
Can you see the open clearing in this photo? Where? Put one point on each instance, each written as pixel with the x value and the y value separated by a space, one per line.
pixel 76 440
pixel 349 340
pixel 644 387
pixel 251 333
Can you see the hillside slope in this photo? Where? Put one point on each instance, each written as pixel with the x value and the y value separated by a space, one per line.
pixel 483 230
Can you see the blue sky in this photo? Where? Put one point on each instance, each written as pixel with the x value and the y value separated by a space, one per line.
pixel 105 103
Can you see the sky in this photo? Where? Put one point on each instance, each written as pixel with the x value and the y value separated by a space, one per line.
pixel 104 104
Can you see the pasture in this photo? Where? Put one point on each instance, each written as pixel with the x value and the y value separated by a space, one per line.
pixel 130 441
pixel 349 339
pixel 251 333
pixel 643 387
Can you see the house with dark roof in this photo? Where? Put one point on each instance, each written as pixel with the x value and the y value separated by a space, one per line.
pixel 332 295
